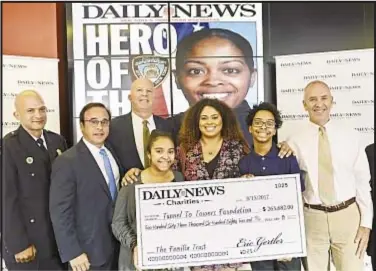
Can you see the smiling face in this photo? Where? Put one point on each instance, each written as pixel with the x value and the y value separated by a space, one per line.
pixel 215 68
pixel 142 94
pixel 94 132
pixel 210 123
pixel 162 154
pixel 318 102
pixel 263 127
pixel 31 111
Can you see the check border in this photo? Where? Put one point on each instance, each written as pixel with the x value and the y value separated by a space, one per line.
pixel 239 259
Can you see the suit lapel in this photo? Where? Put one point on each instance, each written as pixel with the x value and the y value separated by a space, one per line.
pixel 158 123
pixel 121 169
pixel 129 130
pixel 88 162
pixel 51 148
pixel 29 143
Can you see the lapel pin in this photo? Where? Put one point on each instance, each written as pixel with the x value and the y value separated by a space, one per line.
pixel 29 160
pixel 58 151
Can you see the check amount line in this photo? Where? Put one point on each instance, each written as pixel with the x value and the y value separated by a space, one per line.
pixel 201 217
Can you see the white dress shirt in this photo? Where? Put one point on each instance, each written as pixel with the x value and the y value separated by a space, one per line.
pixel 138 133
pixel 350 166
pixel 100 162
pixel 42 137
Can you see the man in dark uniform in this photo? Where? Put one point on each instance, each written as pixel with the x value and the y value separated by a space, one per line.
pixel 27 237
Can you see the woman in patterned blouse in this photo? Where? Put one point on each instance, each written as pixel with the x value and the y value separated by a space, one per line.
pixel 211 145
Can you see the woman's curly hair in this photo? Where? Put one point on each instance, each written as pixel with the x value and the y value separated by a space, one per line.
pixel 190 133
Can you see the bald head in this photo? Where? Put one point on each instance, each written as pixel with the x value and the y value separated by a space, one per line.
pixel 313 84
pixel 24 95
pixel 31 111
pixel 141 97
pixel 318 102
pixel 142 82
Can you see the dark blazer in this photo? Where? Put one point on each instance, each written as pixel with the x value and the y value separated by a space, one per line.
pixel 121 139
pixel 81 207
pixel 370 151
pixel 26 184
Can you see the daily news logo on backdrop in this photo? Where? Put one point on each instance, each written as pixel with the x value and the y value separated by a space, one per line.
pixel 30 73
pixel 10 66
pixel 349 75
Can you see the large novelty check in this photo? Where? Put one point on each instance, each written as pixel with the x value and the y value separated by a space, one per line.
pixel 219 221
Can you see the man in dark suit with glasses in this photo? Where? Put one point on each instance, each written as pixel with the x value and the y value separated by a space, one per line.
pixel 84 186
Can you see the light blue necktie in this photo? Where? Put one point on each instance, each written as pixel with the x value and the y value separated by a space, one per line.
pixel 109 172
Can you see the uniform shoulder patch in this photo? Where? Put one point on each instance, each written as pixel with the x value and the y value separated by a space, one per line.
pixel 11 134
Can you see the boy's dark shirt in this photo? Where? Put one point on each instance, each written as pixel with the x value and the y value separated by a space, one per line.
pixel 269 164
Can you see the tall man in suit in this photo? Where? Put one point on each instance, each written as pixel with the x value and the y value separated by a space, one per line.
pixel 370 151
pixel 129 133
pixel 27 237
pixel 84 185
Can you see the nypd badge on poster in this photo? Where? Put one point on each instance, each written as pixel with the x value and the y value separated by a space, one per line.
pixel 153 68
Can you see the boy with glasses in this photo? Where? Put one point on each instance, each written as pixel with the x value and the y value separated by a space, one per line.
pixel 263 121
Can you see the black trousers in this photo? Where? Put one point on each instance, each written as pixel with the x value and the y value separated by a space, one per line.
pixel 37 264
pixel 371 250
pixel 293 265
pixel 111 264
pixel 373 260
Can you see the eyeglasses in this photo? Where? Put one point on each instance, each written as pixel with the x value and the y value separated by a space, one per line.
pixel 95 122
pixel 260 123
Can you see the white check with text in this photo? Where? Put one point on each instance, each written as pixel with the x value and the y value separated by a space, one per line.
pixel 219 221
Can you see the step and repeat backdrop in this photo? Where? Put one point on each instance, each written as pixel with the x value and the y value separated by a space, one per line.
pixel 30 73
pixel 350 76
pixel 115 43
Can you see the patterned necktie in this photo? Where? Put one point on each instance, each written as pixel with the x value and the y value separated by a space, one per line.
pixel 41 145
pixel 325 167
pixel 145 135
pixel 110 174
